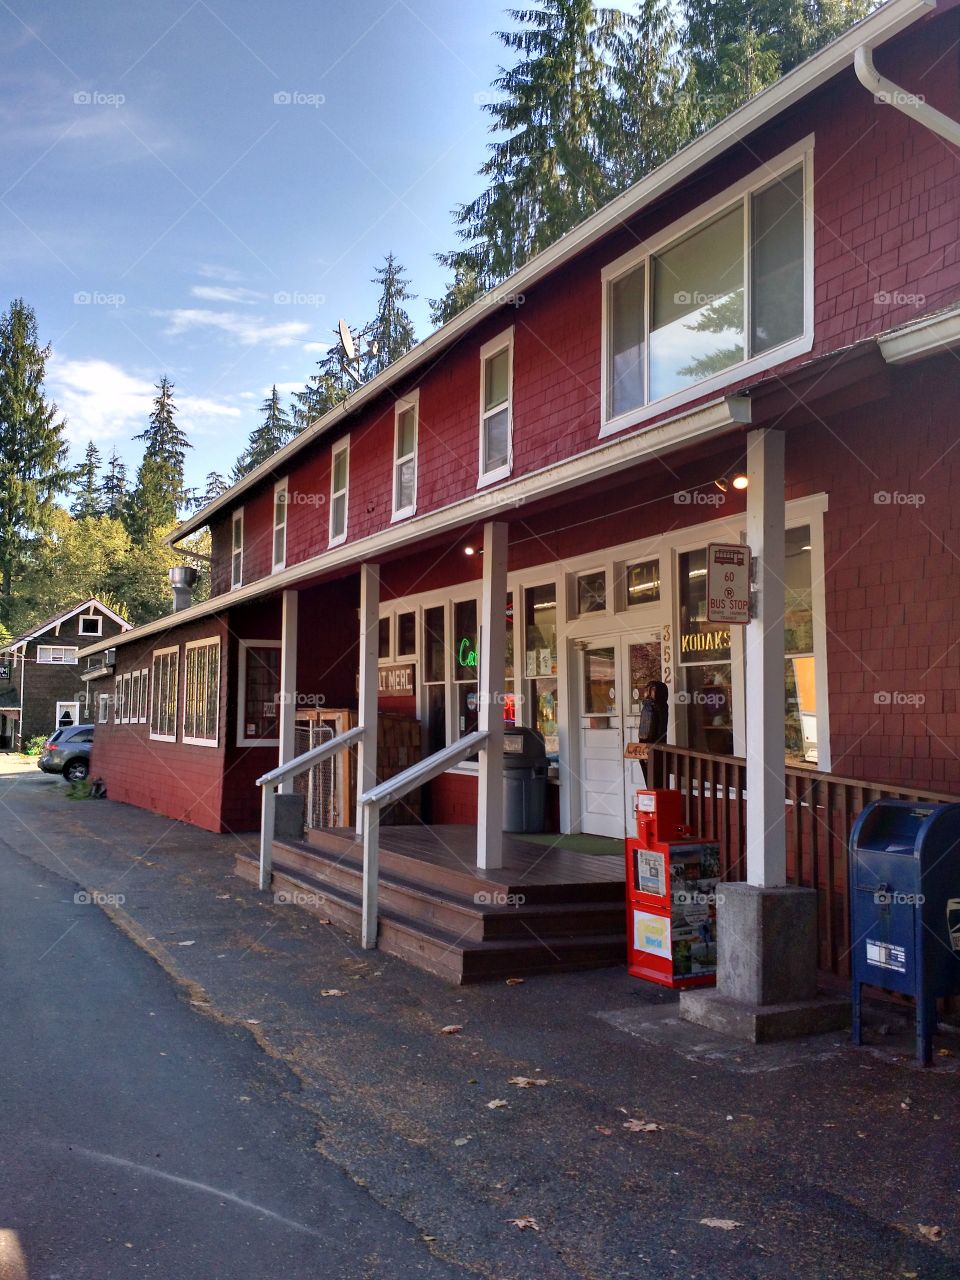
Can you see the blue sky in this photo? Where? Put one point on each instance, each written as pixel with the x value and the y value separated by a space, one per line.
pixel 202 189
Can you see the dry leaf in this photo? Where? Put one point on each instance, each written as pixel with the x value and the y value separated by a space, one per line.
pixel 332 991
pixel 186 944
pixel 602 1128
pixel 526 1082
pixel 642 1126
pixel 722 1224
pixel 525 1224
pixel 930 1233
pixel 324 920
pixel 497 1102
pixel 944 1053
pixel 515 982
pixel 460 1142
pixel 452 1030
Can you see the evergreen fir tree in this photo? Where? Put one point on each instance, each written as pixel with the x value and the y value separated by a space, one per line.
pixel 466 287
pixel 159 492
pixel 324 389
pixel 546 171
pixel 389 335
pixel 33 452
pixel 88 499
pixel 271 435
pixel 214 486
pixel 114 487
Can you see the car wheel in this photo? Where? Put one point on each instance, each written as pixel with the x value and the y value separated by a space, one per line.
pixel 76 770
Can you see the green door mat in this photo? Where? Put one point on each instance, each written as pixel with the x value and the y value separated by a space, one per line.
pixel 578 844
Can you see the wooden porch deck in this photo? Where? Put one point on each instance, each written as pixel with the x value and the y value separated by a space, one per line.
pixel 547 909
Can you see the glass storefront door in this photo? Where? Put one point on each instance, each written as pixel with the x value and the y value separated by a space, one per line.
pixel 613 674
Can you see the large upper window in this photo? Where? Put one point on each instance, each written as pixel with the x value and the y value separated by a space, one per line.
pixel 339 483
pixel 56 653
pixel 236 550
pixel 279 525
pixel 163 707
pixel 496 411
pixel 731 289
pixel 405 458
pixel 201 694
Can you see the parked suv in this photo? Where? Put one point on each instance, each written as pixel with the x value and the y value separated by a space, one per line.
pixel 68 752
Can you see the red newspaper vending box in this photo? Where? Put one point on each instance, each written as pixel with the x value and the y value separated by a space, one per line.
pixel 671 897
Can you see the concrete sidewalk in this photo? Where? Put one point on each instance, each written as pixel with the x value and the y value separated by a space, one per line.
pixel 828 1158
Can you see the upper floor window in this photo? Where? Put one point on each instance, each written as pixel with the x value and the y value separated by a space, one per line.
pixel 236 550
pixel 279 525
pixel 339 481
pixel 56 653
pixel 725 293
pixel 91 624
pixel 405 457
pixel 496 408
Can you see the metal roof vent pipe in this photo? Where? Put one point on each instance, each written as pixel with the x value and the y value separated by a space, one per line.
pixel 183 578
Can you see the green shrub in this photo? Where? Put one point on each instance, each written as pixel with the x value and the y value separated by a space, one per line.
pixel 79 790
pixel 33 746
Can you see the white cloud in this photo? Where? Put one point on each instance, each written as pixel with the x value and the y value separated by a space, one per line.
pixel 317 346
pixel 284 388
pixel 222 293
pixel 104 403
pixel 210 271
pixel 247 329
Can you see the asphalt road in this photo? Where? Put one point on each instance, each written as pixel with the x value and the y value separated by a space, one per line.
pixel 139 1137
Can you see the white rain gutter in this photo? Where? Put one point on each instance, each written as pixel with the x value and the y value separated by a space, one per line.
pixel 910 104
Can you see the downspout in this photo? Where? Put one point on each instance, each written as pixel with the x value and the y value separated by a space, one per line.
pixel 911 104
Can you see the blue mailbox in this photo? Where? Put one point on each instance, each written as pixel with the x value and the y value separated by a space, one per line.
pixel 905 907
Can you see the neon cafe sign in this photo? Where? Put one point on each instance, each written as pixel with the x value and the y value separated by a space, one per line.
pixel 467 653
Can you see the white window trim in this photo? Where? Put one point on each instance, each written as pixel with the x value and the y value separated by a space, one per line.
pixel 342 446
pixel 801 152
pixel 143 711
pixel 280 487
pixel 411 401
pixel 90 617
pixel 503 341
pixel 103 708
pixel 236 579
pixel 208 642
pixel 242 739
pixel 65 649
pixel 160 653
pixel 117 700
pixel 125 691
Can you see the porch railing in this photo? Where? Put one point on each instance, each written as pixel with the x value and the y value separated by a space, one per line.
pixel 270 782
pixel 820 811
pixel 389 791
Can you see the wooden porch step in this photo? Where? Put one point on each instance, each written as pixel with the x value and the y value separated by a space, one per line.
pixel 458 941
pixel 482 917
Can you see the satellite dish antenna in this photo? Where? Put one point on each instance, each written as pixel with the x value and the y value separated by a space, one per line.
pixel 346 339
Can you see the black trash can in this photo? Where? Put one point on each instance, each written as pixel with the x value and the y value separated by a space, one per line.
pixel 524 780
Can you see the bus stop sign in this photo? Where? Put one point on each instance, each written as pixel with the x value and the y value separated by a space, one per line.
pixel 728 583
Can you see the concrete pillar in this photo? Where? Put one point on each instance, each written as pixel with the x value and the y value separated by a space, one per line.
pixel 288 682
pixel 766 775
pixel 493 656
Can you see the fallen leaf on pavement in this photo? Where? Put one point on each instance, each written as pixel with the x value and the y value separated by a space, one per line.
pixel 515 982
pixel 186 944
pixel 525 1224
pixel 452 1030
pixel 642 1126
pixel 602 1128
pixel 526 1082
pixel 497 1102
pixel 944 1053
pixel 332 991
pixel 460 1142
pixel 722 1224
pixel 930 1233
pixel 324 920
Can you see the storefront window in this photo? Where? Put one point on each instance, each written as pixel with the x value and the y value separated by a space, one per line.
pixel 384 638
pixel 434 672
pixel 261 709
pixel 643 582
pixel 541 631
pixel 800 700
pixel 466 665
pixel 591 592
pixel 406 635
pixel 509 676
pixel 705 702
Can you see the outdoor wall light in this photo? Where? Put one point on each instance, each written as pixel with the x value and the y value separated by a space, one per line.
pixel 738 479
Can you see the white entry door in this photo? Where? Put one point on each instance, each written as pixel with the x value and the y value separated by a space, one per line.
pixel 613 674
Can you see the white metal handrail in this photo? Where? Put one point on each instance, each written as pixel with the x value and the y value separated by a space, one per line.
pixel 392 789
pixel 269 783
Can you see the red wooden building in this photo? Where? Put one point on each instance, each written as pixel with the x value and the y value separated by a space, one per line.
pixel 517 511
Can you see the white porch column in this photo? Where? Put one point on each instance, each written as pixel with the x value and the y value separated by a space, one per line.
pixel 368 823
pixel 493 656
pixel 288 682
pixel 766 776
